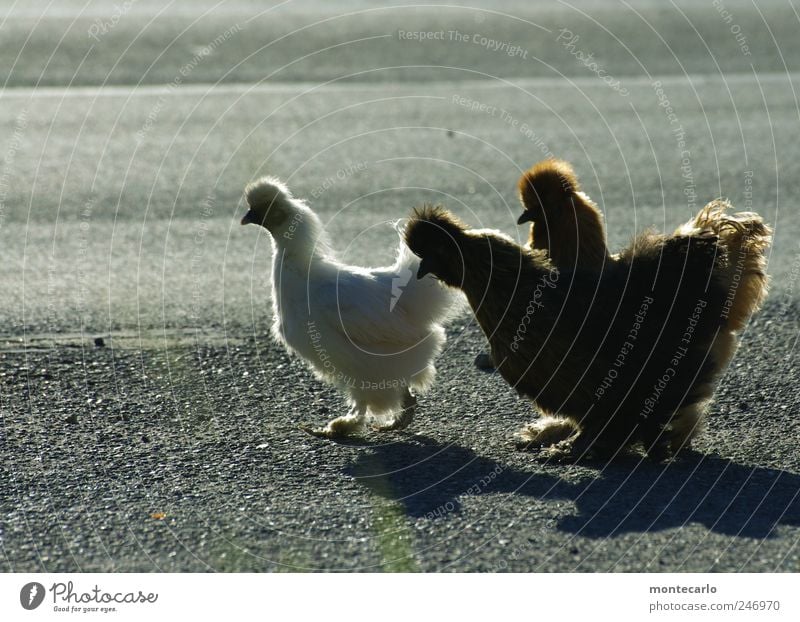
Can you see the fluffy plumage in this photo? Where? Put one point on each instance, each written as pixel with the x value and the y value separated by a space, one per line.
pixel 744 238
pixel 574 235
pixel 565 222
pixel 371 332
pixel 626 354
pixel 569 227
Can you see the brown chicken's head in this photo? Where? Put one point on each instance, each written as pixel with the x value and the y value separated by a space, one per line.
pixel 546 186
pixel 437 237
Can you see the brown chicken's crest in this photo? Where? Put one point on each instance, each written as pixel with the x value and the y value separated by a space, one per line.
pixel 565 222
pixel 547 182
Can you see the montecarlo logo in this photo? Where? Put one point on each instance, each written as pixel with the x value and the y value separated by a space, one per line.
pixel 66 598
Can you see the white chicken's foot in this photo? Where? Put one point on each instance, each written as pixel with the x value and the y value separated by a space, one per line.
pixel 403 418
pixel 341 426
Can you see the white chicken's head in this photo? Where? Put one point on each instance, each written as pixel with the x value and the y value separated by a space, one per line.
pixel 270 204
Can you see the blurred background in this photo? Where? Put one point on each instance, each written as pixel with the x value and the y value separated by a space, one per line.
pixel 122 123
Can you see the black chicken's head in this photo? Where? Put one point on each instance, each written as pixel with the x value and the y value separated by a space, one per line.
pixel 438 238
pixel 544 188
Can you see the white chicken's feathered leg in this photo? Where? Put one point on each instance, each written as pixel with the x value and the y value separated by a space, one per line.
pixel 341 426
pixel 403 418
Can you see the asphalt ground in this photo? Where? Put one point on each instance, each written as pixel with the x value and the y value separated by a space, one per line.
pixel 174 445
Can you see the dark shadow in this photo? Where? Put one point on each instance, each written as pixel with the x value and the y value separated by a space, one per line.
pixel 431 479
pixel 723 496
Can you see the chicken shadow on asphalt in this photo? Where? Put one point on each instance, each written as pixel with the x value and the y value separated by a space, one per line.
pixel 431 479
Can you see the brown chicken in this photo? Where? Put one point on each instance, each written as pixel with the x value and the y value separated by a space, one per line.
pixel 569 226
pixel 626 354
pixel 565 222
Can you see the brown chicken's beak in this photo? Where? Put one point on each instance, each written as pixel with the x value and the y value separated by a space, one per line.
pixel 248 218
pixel 424 268
pixel 527 216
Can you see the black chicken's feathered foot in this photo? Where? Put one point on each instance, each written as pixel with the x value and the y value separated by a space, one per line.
pixel 579 448
pixel 484 362
pixel 659 448
pixel 561 453
pixel 545 431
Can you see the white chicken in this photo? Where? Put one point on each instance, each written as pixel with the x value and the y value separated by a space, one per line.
pixel 371 332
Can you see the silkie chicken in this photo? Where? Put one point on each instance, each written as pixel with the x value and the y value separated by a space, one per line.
pixel 624 355
pixel 568 225
pixel 565 222
pixel 371 332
